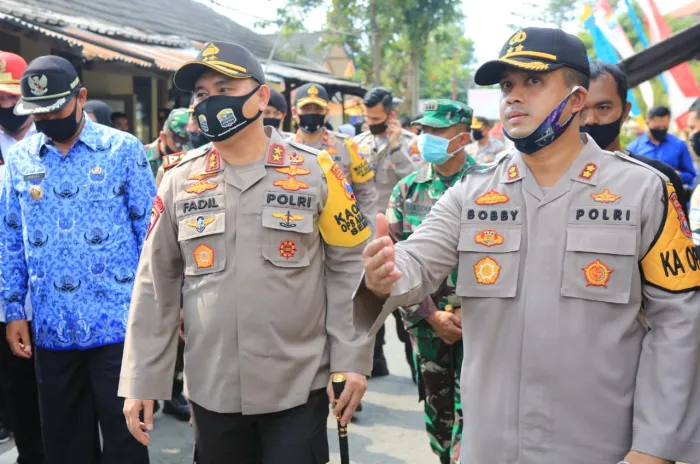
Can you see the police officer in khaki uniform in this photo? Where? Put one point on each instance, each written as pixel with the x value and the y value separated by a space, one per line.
pixel 310 112
pixel 558 245
pixel 391 151
pixel 265 239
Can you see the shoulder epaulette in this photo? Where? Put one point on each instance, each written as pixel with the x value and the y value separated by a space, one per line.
pixel 629 159
pixel 305 148
pixel 340 135
pixel 196 153
pixel 170 161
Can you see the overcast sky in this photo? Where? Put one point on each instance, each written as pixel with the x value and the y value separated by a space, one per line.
pixel 488 27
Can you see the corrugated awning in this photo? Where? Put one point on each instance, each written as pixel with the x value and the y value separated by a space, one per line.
pixel 89 51
pixel 96 47
pixel 163 58
pixel 331 83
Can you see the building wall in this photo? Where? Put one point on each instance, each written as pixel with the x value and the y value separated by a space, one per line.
pixel 30 49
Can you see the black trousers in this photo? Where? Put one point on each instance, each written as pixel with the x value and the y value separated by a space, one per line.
pixel 294 436
pixel 19 392
pixel 78 389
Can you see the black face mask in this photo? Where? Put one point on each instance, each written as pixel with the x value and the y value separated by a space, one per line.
pixel 197 139
pixel 10 121
pixel 311 123
pixel 695 142
pixel 603 134
pixel 60 130
pixel 274 122
pixel 221 117
pixel 377 129
pixel 478 135
pixel 659 134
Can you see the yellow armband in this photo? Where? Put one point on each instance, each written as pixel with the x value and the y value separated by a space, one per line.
pixel 341 222
pixel 672 262
pixel 360 172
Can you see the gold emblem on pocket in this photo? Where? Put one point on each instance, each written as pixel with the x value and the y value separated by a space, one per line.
pixel 36 192
pixel 201 223
pixel 201 187
pixel 492 197
pixel 204 256
pixel 597 274
pixel 605 197
pixel 287 219
pixel 489 238
pixel 487 271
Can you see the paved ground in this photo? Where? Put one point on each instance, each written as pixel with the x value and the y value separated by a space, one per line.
pixel 388 431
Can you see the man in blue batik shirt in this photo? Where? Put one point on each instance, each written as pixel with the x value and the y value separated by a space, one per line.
pixel 658 144
pixel 80 196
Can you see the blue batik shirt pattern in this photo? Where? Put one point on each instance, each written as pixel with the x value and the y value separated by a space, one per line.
pixel 74 226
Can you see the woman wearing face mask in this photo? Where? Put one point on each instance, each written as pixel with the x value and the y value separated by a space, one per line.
pixel 261 236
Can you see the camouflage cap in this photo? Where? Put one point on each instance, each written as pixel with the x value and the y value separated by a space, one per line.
pixel 177 122
pixel 443 113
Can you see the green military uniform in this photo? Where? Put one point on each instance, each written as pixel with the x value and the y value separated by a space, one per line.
pixel 176 125
pixel 438 364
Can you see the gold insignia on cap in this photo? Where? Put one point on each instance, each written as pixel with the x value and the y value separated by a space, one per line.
pixel 531 66
pixel 3 65
pixel 97 170
pixel 210 50
pixel 518 37
pixel 312 90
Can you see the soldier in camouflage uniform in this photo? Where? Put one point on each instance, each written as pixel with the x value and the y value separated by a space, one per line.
pixel 171 145
pixel 435 324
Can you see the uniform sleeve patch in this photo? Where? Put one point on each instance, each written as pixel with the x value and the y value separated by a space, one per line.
pixel 672 262
pixel 156 210
pixel 341 223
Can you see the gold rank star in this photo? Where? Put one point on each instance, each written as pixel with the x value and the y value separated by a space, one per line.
pixel 277 154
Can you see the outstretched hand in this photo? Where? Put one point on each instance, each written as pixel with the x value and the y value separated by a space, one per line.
pixel 380 261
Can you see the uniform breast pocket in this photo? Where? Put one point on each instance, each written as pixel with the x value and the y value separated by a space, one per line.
pixel 203 243
pixel 286 232
pixel 489 261
pixel 599 263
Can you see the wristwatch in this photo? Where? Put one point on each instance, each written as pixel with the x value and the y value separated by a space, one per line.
pixel 623 462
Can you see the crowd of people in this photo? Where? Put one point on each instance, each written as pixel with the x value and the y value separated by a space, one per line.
pixel 546 293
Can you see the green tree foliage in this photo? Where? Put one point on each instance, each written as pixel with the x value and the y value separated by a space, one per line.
pixel 449 58
pixel 406 45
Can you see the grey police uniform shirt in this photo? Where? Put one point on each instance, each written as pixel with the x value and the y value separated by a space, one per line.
pixel 266 256
pixel 557 367
pixel 354 167
pixel 389 167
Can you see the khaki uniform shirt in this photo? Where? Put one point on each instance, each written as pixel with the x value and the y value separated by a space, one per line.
pixel 485 153
pixel 266 255
pixel 557 367
pixel 389 167
pixel 344 152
